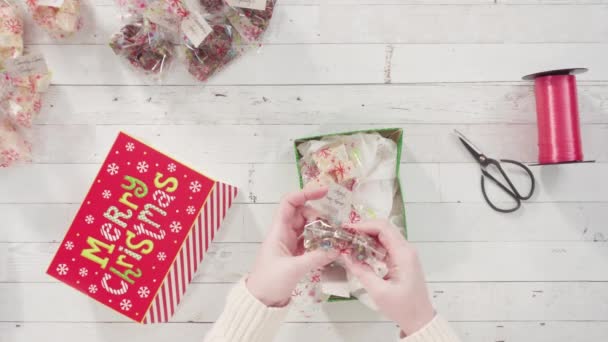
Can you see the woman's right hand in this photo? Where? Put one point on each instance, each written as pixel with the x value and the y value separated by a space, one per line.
pixel 402 295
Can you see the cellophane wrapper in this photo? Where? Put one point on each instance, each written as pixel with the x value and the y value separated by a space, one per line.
pixel 218 49
pixel 11 32
pixel 251 23
pixel 234 31
pixel 60 22
pixel 145 42
pixel 20 103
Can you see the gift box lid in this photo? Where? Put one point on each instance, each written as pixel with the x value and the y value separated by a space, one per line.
pixel 141 231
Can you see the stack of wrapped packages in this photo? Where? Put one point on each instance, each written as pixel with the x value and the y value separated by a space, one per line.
pixel 23 79
pixel 213 33
pixel 361 171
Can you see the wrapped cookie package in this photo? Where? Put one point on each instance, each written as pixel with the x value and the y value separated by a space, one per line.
pixel 213 33
pixel 11 32
pixel 22 83
pixel 61 18
pixel 145 41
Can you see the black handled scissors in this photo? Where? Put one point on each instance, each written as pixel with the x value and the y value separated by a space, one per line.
pixel 509 188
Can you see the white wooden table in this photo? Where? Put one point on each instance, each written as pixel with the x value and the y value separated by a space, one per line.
pixel 540 274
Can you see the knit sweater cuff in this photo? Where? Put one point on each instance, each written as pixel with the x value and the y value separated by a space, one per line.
pixel 245 318
pixel 437 330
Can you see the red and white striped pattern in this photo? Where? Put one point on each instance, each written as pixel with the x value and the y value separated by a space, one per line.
pixel 186 263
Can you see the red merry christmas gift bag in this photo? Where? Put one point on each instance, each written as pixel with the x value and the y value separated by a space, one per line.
pixel 141 232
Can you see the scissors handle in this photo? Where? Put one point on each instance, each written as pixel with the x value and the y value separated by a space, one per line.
pixel 510 189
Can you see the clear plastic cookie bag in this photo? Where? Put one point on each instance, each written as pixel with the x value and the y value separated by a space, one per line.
pixel 11 31
pixel 146 40
pixel 211 42
pixel 60 18
pixel 251 18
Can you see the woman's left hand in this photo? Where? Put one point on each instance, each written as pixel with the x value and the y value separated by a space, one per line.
pixel 281 262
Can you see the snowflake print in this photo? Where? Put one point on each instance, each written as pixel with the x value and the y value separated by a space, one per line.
pixel 161 256
pixel 175 227
pixel 311 171
pixel 142 167
pixel 354 217
pixel 324 152
pixel 24 119
pixel 89 219
pixel 143 292
pixel 339 171
pixel 252 32
pixel 195 186
pixel 37 105
pixel 191 210
pixel 14 26
pixel 126 305
pixel 31 3
pixel 62 269
pixel 113 169
pixel 93 288
pixel 106 194
pixel 83 272
pixel 10 155
pixel 130 146
pixel 171 167
pixel 69 245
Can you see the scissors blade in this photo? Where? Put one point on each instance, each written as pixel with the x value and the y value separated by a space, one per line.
pixel 475 152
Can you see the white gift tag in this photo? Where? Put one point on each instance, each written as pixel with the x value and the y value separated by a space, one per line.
pixel 50 3
pixel 26 65
pixel 336 205
pixel 157 14
pixel 196 28
pixel 251 4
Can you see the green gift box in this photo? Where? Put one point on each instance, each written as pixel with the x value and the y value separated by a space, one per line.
pixel 395 134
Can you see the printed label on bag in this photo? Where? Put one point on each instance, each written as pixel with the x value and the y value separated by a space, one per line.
pixel 50 3
pixel 27 65
pixel 335 206
pixel 196 28
pixel 251 4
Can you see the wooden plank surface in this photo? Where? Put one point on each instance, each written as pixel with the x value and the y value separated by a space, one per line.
pixel 386 23
pixel 423 143
pixel 428 66
pixel 305 64
pixel 494 301
pixel 538 331
pixel 266 183
pixel 442 261
pixel 311 105
pixel 427 222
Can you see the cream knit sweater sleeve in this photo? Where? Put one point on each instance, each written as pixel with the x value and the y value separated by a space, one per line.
pixel 246 319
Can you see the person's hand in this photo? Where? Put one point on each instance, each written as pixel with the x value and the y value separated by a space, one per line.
pixel 281 261
pixel 402 295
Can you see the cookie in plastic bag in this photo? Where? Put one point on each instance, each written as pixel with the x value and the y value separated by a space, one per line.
pixel 144 45
pixel 251 23
pixel 60 18
pixel 11 32
pixel 213 53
